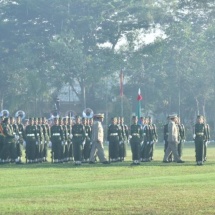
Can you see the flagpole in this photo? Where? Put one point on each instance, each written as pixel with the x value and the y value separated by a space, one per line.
pixel 121 92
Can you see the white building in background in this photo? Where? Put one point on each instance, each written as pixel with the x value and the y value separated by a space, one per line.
pixel 67 95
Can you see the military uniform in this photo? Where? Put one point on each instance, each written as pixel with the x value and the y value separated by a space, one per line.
pixel 9 152
pixel 114 137
pixel 57 139
pixel 40 138
pixel 206 141
pixel 65 148
pixel 200 136
pixel 165 132
pixel 87 145
pixel 46 133
pixel 181 138
pixel 70 146
pixel 78 140
pixel 31 140
pixel 2 136
pixel 153 139
pixel 135 141
pixel 122 146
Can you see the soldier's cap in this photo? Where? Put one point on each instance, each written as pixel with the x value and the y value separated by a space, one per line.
pixel 114 118
pixel 77 117
pixel 35 118
pixel 134 117
pixel 172 116
pixel 99 115
pixel 200 116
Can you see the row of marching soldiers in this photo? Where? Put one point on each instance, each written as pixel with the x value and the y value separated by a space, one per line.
pixel 67 141
pixel 14 136
pixel 143 136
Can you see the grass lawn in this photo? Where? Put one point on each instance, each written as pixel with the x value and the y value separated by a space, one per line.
pixel 118 188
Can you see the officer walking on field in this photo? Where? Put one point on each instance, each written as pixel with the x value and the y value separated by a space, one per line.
pixel 97 140
pixel 172 140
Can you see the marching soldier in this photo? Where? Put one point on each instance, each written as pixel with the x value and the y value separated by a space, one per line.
pixel 153 137
pixel 65 147
pixel 70 145
pixel 200 136
pixel 181 137
pixel 57 140
pixel 166 133
pixel 146 141
pixel 31 140
pixel 87 145
pixel 172 140
pixel 46 133
pixel 125 136
pixel 40 137
pixel 20 132
pixel 97 140
pixel 207 140
pixel 135 141
pixel 9 151
pixel 114 137
pixel 78 140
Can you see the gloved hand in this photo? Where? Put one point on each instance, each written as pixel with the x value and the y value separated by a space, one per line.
pixel 120 142
pixel 194 136
pixel 147 143
pixel 62 143
pixel 65 143
pixel 70 136
pixel 151 142
pixel 50 144
pixel 37 142
pixel 16 137
pixel 24 144
pixel 141 143
pixel 91 143
pixel 83 143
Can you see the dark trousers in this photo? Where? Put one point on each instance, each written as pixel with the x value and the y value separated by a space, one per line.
pixel 57 150
pixel 86 151
pixel 180 147
pixel 199 144
pixel 165 147
pixel 114 149
pixel 31 150
pixel 77 147
pixel 205 150
pixel 122 150
pixel 147 151
pixel 135 149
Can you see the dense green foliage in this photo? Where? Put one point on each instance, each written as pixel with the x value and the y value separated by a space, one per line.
pixel 152 188
pixel 45 44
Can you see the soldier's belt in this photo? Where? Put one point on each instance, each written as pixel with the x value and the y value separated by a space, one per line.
pixel 30 135
pixel 200 133
pixel 135 134
pixel 56 134
pixel 77 135
pixel 113 134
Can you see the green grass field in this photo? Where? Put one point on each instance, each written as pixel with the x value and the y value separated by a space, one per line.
pixel 152 188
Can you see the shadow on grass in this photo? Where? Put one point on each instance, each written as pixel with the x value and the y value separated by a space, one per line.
pixel 127 164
